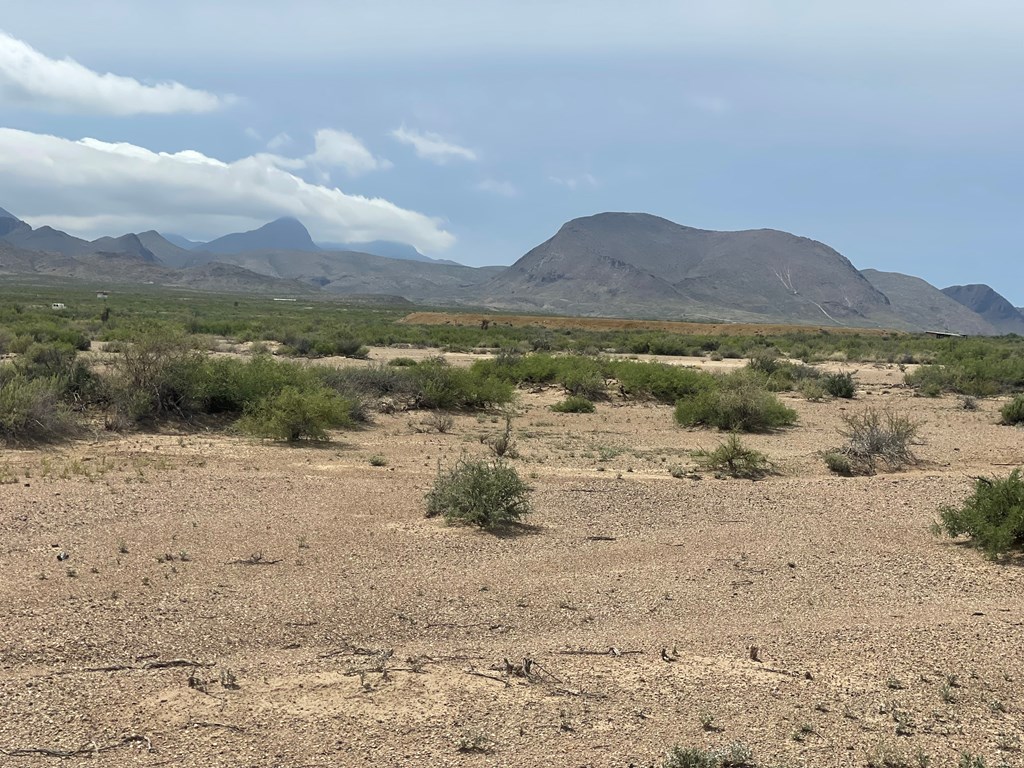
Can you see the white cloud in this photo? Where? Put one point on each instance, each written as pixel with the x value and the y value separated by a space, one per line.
pixel 431 146
pixel 340 149
pixel 29 77
pixel 495 187
pixel 279 142
pixel 574 182
pixel 95 185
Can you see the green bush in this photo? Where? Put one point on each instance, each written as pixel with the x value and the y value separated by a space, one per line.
pixel 813 390
pixel 31 409
pixel 574 404
pixel 993 516
pixel 665 383
pixel 839 463
pixel 840 385
pixel 158 375
pixel 401 362
pixel 874 437
pixel 738 404
pixel 1013 411
pixel 735 459
pixel 294 414
pixel 487 494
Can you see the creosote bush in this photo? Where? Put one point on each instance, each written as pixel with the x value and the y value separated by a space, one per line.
pixel 487 494
pixel 735 459
pixel 1013 412
pixel 574 404
pixel 840 385
pixel 738 404
pixel 31 410
pixel 294 414
pixel 874 437
pixel 993 516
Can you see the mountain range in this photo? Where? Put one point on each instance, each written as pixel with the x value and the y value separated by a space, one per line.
pixel 613 264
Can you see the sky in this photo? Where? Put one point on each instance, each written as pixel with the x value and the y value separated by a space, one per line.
pixel 473 130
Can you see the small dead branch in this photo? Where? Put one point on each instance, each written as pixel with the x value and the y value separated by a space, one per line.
pixel 153 664
pixel 256 558
pixel 612 651
pixel 205 724
pixel 495 678
pixel 601 538
pixel 89 749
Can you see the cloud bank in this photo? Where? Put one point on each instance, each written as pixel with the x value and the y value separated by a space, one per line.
pixel 432 147
pixel 93 186
pixel 30 77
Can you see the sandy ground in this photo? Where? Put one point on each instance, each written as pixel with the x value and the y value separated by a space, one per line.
pixel 229 603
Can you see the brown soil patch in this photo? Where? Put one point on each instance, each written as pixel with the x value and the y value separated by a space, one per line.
pixel 617 324
pixel 351 625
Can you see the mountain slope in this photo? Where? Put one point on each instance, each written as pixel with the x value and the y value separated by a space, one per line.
pixel 167 252
pixel 1005 317
pixel 386 248
pixel 285 234
pixel 922 305
pixel 350 272
pixel 127 245
pixel 638 264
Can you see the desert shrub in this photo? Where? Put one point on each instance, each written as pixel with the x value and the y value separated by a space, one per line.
pixel 487 494
pixel 993 516
pixel 876 437
pixel 967 403
pixel 765 361
pixel 157 376
pixel 1013 411
pixel 369 381
pixel 665 383
pixel 735 459
pixel 503 444
pixel 839 463
pixel 738 755
pixel 401 362
pixel 439 385
pixel 31 409
pixel 294 414
pixel 738 404
pixel 582 377
pixel 231 385
pixel 574 404
pixel 840 384
pixel 813 390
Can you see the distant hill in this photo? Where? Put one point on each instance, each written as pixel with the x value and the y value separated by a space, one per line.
pixel 285 234
pixel 636 264
pixel 982 299
pixel 350 272
pixel 386 248
pixel 126 245
pixel 922 305
pixel 182 242
pixel 167 252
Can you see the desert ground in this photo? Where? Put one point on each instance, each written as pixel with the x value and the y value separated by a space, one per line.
pixel 202 599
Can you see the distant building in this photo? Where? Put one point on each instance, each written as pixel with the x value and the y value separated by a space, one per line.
pixel 57 305
pixel 102 294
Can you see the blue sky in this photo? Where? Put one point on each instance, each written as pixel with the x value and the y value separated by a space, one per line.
pixel 473 130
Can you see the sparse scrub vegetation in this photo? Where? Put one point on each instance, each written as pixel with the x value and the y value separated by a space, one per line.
pixel 840 385
pixel 487 494
pixel 992 517
pixel 294 414
pixel 737 755
pixel 738 403
pixel 874 437
pixel 735 459
pixel 1013 412
pixel 574 404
